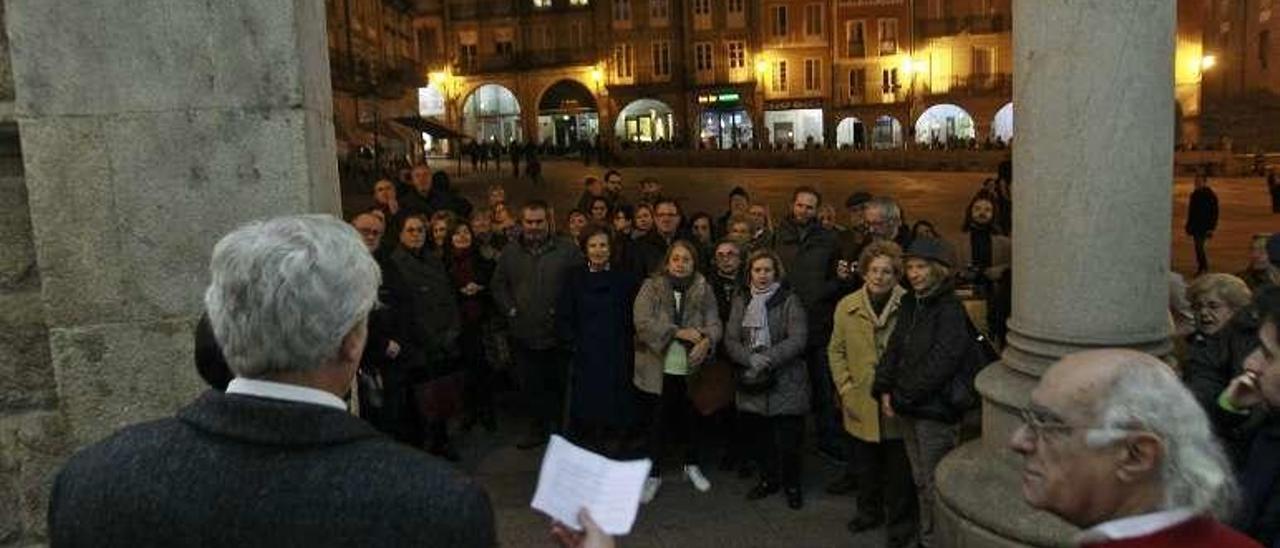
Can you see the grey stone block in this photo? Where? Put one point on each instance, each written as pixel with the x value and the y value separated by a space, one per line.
pixel 33 447
pixel 17 253
pixel 125 232
pixel 155 55
pixel 113 375
pixel 26 375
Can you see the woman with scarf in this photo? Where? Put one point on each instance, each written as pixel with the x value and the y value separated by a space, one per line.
pixel 925 354
pixel 594 321
pixel 470 272
pixel 677 328
pixel 765 338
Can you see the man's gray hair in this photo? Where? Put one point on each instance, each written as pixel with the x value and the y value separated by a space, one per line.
pixel 886 205
pixel 1194 472
pixel 285 292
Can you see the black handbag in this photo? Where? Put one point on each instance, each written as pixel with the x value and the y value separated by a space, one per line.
pixel 961 394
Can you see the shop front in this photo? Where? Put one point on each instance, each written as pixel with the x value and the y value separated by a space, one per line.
pixel 794 123
pixel 723 119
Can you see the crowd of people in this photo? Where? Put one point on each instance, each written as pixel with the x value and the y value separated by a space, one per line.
pixel 638 330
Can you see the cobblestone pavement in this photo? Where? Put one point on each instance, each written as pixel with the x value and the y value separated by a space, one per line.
pixel 939 197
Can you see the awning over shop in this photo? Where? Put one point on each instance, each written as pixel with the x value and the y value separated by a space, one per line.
pixel 431 127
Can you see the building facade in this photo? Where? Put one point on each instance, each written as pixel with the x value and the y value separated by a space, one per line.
pixel 726 73
pixel 1240 74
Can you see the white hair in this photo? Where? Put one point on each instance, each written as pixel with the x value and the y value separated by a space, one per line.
pixel 1194 472
pixel 285 292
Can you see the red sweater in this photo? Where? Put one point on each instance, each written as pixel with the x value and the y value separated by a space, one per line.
pixel 1202 531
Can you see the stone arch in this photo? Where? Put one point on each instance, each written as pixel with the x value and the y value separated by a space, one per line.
pixel 944 123
pixel 851 132
pixel 1002 123
pixel 568 113
pixel 646 120
pixel 491 112
pixel 886 132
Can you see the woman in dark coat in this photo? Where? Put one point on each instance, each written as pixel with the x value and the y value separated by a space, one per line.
pixel 429 333
pixel 593 318
pixel 470 272
pixel 925 353
pixel 765 337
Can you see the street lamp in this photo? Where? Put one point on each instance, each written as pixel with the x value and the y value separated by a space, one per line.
pixel 1207 62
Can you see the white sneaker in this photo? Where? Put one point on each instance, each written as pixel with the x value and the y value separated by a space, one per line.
pixel 695 476
pixel 650 490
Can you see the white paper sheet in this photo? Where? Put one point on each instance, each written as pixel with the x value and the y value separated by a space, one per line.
pixel 573 478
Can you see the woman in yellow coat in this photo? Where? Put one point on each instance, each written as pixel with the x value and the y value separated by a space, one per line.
pixel 879 468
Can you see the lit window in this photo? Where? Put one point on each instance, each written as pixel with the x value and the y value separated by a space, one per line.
pixel 702 56
pixel 541 3
pixel 780 76
pixel 737 54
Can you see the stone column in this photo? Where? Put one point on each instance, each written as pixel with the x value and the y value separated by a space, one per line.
pixel 149 129
pixel 1093 164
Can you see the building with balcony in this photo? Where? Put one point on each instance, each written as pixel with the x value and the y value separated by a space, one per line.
pixel 871 56
pixel 1239 74
pixel 376 63
pixel 522 70
pixel 645 58
pixel 962 71
pixel 795 70
pixel 723 100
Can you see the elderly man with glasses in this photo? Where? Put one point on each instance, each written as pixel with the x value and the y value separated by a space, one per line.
pixel 1114 444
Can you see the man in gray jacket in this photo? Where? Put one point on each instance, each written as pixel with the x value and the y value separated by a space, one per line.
pixel 526 282
pixel 277 460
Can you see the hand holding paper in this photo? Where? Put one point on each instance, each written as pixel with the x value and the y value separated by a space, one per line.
pixel 573 478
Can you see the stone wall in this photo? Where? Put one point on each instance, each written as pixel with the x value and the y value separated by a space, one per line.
pixel 148 129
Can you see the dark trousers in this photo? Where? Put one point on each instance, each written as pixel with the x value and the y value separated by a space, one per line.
pixel 478 392
pixel 543 374
pixel 675 421
pixel 777 446
pixel 886 490
pixel 826 418
pixel 1202 258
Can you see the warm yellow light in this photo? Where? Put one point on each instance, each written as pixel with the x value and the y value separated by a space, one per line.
pixel 1207 62
pixel 597 75
pixel 762 66
pixel 437 77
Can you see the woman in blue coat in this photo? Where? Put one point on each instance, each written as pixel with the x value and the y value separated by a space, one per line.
pixel 593 318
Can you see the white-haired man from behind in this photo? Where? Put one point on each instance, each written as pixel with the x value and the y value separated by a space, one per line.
pixel 277 459
pixel 1114 444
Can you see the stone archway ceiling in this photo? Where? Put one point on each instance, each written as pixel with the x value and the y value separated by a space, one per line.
pixel 567 96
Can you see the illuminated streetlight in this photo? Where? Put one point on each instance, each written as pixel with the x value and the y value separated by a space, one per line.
pixel 1207 62
pixel 762 66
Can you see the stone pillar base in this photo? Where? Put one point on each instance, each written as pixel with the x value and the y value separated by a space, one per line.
pixel 979 505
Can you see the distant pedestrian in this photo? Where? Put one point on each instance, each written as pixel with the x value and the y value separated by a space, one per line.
pixel 1202 219
pixel 1273 185
pixel 515 151
pixel 533 166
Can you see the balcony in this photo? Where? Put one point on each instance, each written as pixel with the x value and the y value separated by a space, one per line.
pixel 978 84
pixel 475 9
pixel 855 50
pixel 973 24
pixel 556 57
pixel 486 63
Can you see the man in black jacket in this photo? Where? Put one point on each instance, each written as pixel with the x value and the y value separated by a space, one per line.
pixel 1256 391
pixel 1202 219
pixel 810 254
pixel 277 460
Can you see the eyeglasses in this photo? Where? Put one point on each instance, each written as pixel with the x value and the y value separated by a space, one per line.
pixel 369 231
pixel 1039 423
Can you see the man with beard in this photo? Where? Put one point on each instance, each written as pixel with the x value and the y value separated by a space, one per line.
pixel 809 253
pixel 525 286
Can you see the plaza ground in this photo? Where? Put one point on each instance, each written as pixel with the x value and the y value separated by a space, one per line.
pixel 680 516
